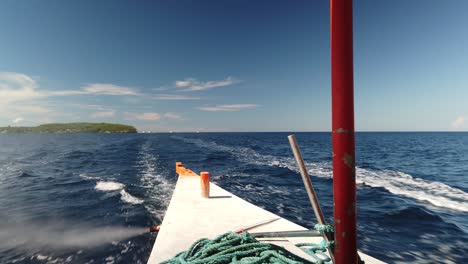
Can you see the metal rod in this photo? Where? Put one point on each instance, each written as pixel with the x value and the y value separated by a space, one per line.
pixel 299 233
pixel 344 174
pixel 310 190
pixel 241 230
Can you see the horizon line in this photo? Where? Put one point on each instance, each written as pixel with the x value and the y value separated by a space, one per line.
pixel 289 131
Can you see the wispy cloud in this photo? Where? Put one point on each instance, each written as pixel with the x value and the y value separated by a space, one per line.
pixel 192 85
pixel 98 108
pixel 173 97
pixel 150 116
pixel 20 87
pixel 20 95
pixel 459 122
pixel 22 100
pixel 186 83
pixel 17 87
pixel 26 113
pixel 227 108
pixel 96 89
pixel 103 114
pixel 171 115
pixel 17 120
pixel 35 109
pixel 108 89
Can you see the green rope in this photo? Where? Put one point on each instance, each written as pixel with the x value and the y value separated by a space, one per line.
pixel 244 249
pixel 318 251
pixel 324 228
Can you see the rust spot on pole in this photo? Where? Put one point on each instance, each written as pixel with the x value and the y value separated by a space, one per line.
pixel 342 130
pixel 348 160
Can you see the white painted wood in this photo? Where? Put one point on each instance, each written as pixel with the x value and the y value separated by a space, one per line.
pixel 190 217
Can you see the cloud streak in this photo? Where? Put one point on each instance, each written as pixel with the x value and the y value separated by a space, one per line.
pixel 171 115
pixel 149 116
pixel 192 85
pixel 227 108
pixel 17 120
pixel 185 83
pixel 16 87
pixel 108 89
pixel 174 97
pixel 103 114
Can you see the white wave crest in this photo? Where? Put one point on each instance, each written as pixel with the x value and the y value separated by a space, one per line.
pixel 399 183
pixel 128 198
pixel 109 186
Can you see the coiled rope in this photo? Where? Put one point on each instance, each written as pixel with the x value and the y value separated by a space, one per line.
pixel 245 249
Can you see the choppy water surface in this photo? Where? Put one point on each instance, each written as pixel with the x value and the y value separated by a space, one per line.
pixel 89 198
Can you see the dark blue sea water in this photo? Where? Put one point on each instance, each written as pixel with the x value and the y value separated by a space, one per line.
pixel 88 198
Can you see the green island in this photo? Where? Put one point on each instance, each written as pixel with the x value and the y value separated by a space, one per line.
pixel 72 128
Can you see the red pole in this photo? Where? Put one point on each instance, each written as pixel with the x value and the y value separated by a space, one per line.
pixel 344 174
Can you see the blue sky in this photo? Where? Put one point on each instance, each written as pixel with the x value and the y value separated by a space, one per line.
pixel 230 65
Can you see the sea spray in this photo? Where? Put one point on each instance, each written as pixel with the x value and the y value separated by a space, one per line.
pixel 60 236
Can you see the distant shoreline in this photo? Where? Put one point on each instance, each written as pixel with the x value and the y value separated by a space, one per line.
pixel 70 128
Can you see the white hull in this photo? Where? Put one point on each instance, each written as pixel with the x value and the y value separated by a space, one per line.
pixel 190 217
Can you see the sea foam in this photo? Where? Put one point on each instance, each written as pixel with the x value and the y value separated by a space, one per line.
pixel 158 188
pixel 128 198
pixel 109 186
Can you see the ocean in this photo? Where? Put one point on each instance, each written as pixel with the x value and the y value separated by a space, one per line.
pixel 90 198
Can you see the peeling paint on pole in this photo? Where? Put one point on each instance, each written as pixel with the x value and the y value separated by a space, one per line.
pixel 348 160
pixel 342 130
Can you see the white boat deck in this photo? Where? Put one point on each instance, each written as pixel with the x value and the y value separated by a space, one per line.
pixel 191 217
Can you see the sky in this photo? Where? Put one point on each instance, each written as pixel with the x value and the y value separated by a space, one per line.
pixel 230 65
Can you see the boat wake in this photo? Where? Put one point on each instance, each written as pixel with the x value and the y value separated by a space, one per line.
pixel 112 186
pixel 436 193
pixel 158 188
